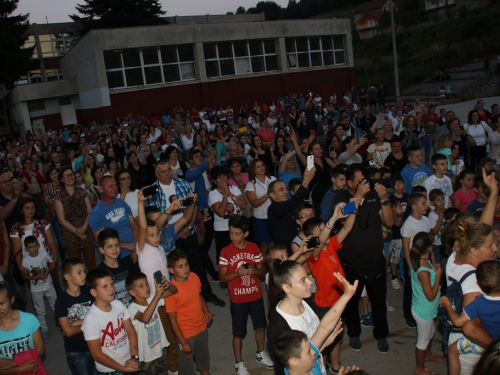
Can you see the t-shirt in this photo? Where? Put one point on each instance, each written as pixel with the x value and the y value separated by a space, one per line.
pixel 329 289
pixel 168 238
pixel 246 288
pixel 394 164
pixel 109 329
pixel 186 302
pixel 433 218
pixel 119 275
pixel 150 336
pixel 396 231
pixel 475 206
pixel 221 223
pixel 260 190
pixel 318 368
pixel 73 308
pixel 113 215
pixel 307 322
pixel 412 226
pixel 38 265
pixel 443 184
pixel 380 153
pixel 152 259
pixel 20 338
pixel 287 176
pixel 415 176
pixel 37 229
pixel 464 198
pixel 424 308
pixel 488 310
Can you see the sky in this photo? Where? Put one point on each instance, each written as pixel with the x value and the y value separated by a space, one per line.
pixel 58 10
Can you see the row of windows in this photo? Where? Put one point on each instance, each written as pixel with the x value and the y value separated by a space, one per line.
pixel 52 44
pixel 176 63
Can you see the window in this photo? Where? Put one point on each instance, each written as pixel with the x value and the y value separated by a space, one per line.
pixel 315 51
pixel 36 105
pixel 150 66
pixel 240 57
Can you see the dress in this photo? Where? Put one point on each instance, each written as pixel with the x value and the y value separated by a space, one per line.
pixel 75 212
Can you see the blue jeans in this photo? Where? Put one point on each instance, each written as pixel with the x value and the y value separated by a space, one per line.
pixel 58 233
pixel 80 363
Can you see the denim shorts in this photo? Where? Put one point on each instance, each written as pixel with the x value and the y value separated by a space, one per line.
pixel 239 316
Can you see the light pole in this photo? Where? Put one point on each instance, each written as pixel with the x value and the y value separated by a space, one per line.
pixel 394 54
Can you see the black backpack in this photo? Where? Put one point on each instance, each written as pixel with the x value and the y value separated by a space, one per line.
pixel 456 296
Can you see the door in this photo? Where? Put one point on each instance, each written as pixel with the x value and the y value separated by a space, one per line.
pixel 68 115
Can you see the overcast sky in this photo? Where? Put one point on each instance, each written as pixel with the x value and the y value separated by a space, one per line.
pixel 58 10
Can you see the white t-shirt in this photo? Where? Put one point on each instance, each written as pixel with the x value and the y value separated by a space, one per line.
pixel 36 266
pixel 152 259
pixel 221 223
pixel 443 184
pixel 169 191
pixel 433 218
pixel 150 336
pixel 412 226
pixel 109 329
pixel 260 190
pixel 380 153
pixel 27 230
pixel 308 322
pixel 132 200
pixel 187 143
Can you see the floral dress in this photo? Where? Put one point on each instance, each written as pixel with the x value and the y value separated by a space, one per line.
pixel 37 229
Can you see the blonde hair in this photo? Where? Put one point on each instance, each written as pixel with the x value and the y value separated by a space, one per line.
pixel 468 235
pixel 441 142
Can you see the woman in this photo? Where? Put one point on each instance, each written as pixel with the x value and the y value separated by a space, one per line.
pixel 238 178
pixel 411 136
pixel 34 182
pixel 89 162
pixel 179 167
pixel 256 192
pixel 266 134
pixel 97 173
pixel 495 141
pixel 137 170
pixel 458 165
pixel 50 190
pixel 19 329
pixel 419 107
pixel 281 124
pixel 281 147
pixel 225 201
pixel 13 166
pixel 333 140
pixel 70 153
pixel 110 153
pixel 128 190
pixel 73 209
pixel 477 136
pixel 32 224
pixel 259 152
pixel 111 166
pixel 198 143
pixel 187 137
pixel 349 148
pixel 379 150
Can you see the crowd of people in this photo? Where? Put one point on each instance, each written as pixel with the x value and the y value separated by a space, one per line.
pixel 320 204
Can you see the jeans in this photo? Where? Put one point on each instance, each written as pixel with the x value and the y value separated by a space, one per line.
pixel 80 363
pixel 58 233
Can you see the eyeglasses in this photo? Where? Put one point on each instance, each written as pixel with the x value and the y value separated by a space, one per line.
pixel 125 178
pixel 68 175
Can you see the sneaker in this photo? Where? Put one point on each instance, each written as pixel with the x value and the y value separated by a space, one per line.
pixel 383 346
pixel 263 358
pixel 241 369
pixel 45 336
pixel 422 371
pixel 355 343
pixel 218 302
pixel 410 323
pixel 389 306
pixel 331 371
pixel 366 320
pixel 395 284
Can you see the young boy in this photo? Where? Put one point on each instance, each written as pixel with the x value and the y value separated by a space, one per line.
pixel 436 218
pixel 338 182
pixel 241 266
pixel 189 315
pixel 108 241
pixel 439 180
pixel 301 213
pixel 110 336
pixel 415 173
pixel 145 318
pixel 71 307
pixel 482 193
pixel 399 200
pixel 38 264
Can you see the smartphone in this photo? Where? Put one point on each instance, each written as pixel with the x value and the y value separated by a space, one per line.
pixel 246 266
pixel 313 242
pixel 310 162
pixel 188 202
pixel 349 208
pixel 150 191
pixel 158 277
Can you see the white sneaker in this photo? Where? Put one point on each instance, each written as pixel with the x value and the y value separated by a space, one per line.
pixel 395 284
pixel 389 306
pixel 241 369
pixel 263 358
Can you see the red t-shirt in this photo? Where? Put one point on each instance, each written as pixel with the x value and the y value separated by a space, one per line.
pixel 464 199
pixel 329 288
pixel 266 135
pixel 243 288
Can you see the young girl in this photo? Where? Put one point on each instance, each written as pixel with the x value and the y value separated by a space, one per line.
pixel 464 194
pixel 425 283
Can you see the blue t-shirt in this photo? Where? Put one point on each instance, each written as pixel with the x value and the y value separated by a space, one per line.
pixel 114 215
pixel 287 176
pixel 327 205
pixel 168 238
pixel 475 206
pixel 20 338
pixel 415 176
pixel 316 370
pixel 488 310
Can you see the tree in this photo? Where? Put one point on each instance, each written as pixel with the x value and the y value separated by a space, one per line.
pixel 16 61
pixel 97 14
pixel 272 10
pixel 240 10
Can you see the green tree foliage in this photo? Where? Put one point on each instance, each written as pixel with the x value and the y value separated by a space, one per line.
pixel 15 61
pixel 272 10
pixel 240 10
pixel 97 14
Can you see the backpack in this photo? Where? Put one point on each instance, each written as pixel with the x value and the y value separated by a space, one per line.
pixel 456 296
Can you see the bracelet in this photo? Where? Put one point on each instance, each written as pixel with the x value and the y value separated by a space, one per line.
pixel 328 225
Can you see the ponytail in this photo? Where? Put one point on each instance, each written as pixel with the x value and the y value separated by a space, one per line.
pixel 468 235
pixel 421 242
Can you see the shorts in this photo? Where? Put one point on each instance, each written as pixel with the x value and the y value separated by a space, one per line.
pixel 155 366
pixel 387 248
pixel 397 246
pixel 261 230
pixel 425 331
pixel 199 350
pixel 239 316
pixel 465 346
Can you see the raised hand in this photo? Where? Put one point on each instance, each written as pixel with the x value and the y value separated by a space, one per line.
pixel 349 289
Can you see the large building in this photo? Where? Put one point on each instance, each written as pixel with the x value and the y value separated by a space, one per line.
pixel 207 60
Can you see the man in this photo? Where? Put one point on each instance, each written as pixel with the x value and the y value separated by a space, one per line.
pixel 235 152
pixel 322 129
pixel 74 142
pixel 113 212
pixel 367 120
pixel 444 129
pixel 170 186
pixel 397 159
pixel 362 257
pixel 279 214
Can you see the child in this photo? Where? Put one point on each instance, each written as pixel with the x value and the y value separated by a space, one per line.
pixel 442 95
pixel 70 309
pixel 415 173
pixel 399 200
pixel 425 282
pixel 338 183
pixel 145 318
pixel 301 213
pixel 37 263
pixel 241 266
pixel 110 336
pixel 108 241
pixel 189 315
pixel 439 180
pixel 443 146
pixel 487 309
pixel 464 192
pixel 482 193
pixel 436 218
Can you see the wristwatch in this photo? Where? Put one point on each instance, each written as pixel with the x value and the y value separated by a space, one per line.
pixel 134 357
pixel 384 203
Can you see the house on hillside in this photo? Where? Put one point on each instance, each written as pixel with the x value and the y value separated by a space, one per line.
pixel 448 9
pixel 367 17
